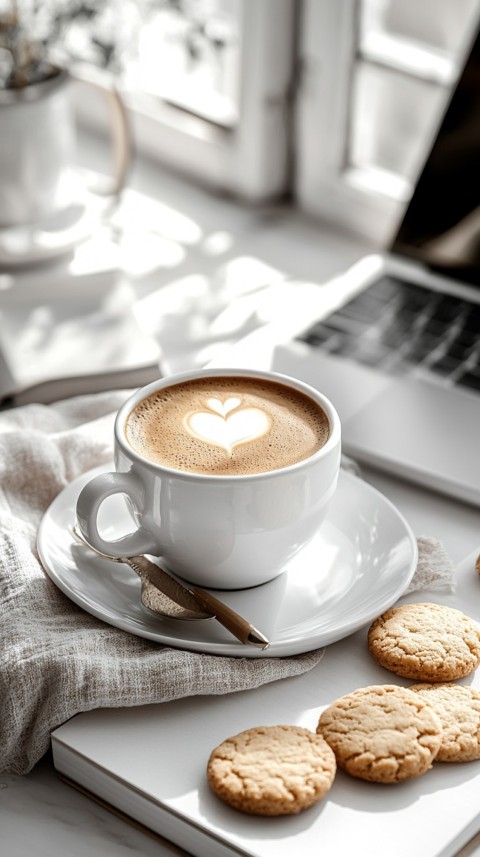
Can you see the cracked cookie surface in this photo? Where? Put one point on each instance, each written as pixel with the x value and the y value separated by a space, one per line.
pixel 427 642
pixel 458 708
pixel 272 770
pixel 382 733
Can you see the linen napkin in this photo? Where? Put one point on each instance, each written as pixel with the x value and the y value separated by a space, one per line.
pixel 56 660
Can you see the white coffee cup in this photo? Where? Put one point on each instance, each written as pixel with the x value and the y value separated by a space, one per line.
pixel 220 531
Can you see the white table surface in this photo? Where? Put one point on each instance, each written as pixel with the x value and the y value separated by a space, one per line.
pixel 39 815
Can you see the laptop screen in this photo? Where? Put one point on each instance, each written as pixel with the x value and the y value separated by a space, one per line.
pixel 441 226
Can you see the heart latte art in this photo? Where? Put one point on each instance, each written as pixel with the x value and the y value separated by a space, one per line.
pixel 227 425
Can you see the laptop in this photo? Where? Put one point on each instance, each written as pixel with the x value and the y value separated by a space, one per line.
pixel 398 349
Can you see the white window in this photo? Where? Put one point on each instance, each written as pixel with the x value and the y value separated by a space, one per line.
pixel 334 101
pixel 208 90
pixel 374 80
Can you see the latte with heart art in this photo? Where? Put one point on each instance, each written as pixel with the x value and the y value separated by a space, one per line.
pixel 227 426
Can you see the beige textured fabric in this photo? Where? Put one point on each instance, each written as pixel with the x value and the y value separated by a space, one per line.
pixel 435 569
pixel 55 659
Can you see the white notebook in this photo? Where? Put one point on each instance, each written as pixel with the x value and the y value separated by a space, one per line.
pixel 149 763
pixel 69 331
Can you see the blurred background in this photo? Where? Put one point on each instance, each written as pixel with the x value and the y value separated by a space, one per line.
pixel 271 144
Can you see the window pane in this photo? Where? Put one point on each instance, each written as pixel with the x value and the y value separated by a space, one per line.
pixel 189 54
pixel 392 117
pixel 186 52
pixel 442 24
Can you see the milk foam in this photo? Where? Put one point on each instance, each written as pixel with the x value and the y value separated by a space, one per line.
pixel 227 426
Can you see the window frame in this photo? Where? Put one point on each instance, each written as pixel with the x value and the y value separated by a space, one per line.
pixel 294 119
pixel 251 159
pixel 325 185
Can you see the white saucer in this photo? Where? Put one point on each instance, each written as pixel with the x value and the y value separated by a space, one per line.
pixel 359 564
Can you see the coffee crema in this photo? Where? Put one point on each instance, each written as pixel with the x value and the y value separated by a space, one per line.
pixel 227 425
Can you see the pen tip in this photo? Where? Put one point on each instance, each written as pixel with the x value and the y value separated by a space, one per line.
pixel 256 638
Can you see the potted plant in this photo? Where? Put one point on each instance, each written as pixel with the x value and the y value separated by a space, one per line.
pixel 39 42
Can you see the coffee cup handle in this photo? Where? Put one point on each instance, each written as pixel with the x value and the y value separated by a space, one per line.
pixel 89 501
pixel 120 129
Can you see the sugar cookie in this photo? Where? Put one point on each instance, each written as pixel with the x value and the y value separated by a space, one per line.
pixel 382 733
pixel 427 642
pixel 272 770
pixel 458 708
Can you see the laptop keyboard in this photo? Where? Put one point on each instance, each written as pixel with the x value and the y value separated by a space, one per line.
pixel 403 328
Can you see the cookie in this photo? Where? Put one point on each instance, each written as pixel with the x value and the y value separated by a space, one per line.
pixel 382 733
pixel 426 642
pixel 458 708
pixel 272 770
